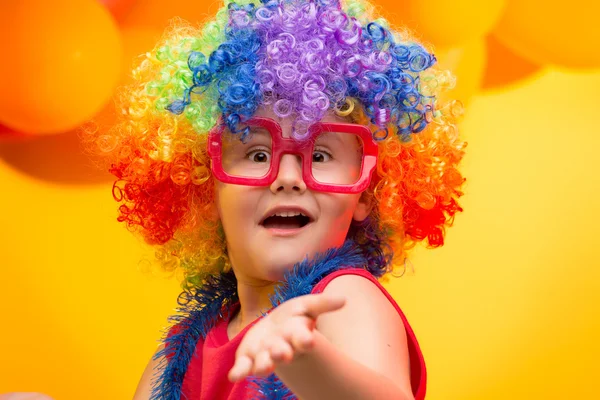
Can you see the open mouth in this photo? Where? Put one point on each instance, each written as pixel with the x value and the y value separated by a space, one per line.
pixel 293 221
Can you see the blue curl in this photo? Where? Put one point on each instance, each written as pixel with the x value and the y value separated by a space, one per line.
pixel 177 107
pixel 201 75
pixel 282 46
pixel 196 59
pixel 377 32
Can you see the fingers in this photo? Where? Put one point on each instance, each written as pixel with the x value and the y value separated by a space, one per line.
pixel 281 351
pixel 263 364
pixel 302 339
pixel 317 304
pixel 241 368
pixel 279 339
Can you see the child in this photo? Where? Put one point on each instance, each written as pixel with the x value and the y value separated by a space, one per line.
pixel 283 159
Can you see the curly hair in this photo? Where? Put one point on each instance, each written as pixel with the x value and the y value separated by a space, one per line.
pixel 302 58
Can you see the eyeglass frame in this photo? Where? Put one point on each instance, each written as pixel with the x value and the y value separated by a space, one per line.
pixel 281 146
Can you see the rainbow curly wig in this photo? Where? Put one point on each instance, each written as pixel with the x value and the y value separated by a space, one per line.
pixel 302 58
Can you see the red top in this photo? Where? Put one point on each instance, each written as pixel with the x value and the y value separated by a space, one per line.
pixel 206 376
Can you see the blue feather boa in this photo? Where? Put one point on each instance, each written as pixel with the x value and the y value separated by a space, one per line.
pixel 201 308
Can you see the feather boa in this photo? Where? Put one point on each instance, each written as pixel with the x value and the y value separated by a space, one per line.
pixel 200 309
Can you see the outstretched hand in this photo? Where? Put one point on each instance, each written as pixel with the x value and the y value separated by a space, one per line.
pixel 24 396
pixel 282 335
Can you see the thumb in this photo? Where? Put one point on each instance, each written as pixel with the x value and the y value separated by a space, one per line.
pixel 317 304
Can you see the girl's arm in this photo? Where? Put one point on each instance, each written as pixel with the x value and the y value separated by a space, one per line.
pixel 360 351
pixel 144 389
pixel 327 373
pixel 356 350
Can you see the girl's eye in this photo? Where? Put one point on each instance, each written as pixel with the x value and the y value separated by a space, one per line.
pixel 320 156
pixel 259 156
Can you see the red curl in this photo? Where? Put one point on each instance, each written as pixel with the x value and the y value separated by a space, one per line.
pixel 153 202
pixel 422 223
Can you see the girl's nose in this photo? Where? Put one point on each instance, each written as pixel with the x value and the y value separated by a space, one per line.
pixel 289 178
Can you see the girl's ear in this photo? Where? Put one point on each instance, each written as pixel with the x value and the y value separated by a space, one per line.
pixel 363 207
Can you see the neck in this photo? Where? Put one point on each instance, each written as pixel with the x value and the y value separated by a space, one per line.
pixel 253 293
pixel 254 300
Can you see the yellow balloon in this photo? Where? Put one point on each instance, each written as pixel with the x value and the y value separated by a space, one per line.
pixel 467 64
pixel 552 33
pixel 442 22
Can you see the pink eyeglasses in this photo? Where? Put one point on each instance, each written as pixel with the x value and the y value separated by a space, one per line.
pixel 336 157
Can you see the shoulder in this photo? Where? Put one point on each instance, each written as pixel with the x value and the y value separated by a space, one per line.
pixel 144 388
pixel 349 279
pixel 365 297
pixel 360 284
pixel 369 327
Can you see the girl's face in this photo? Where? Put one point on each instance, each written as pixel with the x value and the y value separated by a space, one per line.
pixel 262 250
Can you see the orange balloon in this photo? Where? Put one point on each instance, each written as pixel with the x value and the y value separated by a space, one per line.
pixel 59 159
pixel 442 22
pixel 158 13
pixel 118 8
pixel 10 135
pixel 552 33
pixel 505 67
pixel 61 62
pixel 136 42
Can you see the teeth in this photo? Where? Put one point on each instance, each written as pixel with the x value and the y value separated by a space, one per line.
pixel 288 214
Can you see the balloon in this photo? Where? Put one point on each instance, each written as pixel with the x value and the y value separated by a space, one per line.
pixel 61 158
pixel 505 67
pixel 118 8
pixel 136 42
pixel 158 13
pixel 53 158
pixel 61 61
pixel 7 134
pixel 442 22
pixel 467 64
pixel 554 33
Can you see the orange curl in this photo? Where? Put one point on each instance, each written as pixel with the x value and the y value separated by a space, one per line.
pixel 417 185
pixel 166 190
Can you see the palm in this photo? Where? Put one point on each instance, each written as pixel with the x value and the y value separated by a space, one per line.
pixel 279 337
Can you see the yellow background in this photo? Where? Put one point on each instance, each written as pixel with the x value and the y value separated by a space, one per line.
pixel 507 309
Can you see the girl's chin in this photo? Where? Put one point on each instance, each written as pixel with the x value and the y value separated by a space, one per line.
pixel 276 265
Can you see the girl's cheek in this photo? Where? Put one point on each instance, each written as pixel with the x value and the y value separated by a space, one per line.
pixel 341 205
pixel 239 203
